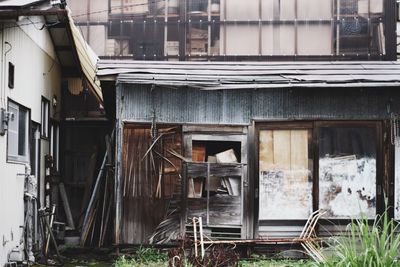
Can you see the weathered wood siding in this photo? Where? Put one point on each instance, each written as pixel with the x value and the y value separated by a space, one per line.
pixel 142 208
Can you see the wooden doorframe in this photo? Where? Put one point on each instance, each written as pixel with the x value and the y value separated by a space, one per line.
pixel 374 124
pixel 259 126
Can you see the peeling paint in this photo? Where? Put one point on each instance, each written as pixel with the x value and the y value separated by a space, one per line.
pixel 285 194
pixel 347 186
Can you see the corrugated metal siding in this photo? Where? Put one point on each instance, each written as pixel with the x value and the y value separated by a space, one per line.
pixel 135 103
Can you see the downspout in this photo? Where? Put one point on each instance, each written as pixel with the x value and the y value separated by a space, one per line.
pixel 3 68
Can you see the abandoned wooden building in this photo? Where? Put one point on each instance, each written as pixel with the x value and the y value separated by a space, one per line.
pixel 252 148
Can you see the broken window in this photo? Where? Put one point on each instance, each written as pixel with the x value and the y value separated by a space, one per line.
pixel 347 171
pixel 214 179
pixel 285 169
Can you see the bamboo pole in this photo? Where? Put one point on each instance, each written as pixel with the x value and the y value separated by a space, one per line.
pixel 201 237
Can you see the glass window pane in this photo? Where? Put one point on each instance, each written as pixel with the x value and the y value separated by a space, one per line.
pixel 237 45
pixel 241 10
pixel 314 9
pixel 347 171
pixel 215 39
pixel 22 132
pixel 285 175
pixel 197 7
pixel 197 42
pixel 278 40
pixel 314 39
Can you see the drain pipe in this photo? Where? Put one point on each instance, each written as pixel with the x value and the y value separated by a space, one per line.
pixel 3 67
pixel 4 114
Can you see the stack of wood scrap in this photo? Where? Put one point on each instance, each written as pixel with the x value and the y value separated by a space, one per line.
pixel 96 226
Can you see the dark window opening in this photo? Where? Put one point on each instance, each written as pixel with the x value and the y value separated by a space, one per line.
pixel 206 149
pixel 11 71
pixel 45 111
pixel 345 141
pixel 22 132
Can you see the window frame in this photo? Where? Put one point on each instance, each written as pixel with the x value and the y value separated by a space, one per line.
pixel 378 127
pixel 205 133
pixel 20 159
pixel 315 125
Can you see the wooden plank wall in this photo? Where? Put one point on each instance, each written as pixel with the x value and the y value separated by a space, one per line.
pixel 143 208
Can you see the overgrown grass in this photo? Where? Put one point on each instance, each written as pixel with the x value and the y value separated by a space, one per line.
pixel 144 257
pixel 363 245
pixel 375 245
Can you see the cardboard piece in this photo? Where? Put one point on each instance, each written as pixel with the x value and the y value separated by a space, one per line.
pixel 227 156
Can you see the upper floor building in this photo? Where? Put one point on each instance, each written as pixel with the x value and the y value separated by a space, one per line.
pixel 238 29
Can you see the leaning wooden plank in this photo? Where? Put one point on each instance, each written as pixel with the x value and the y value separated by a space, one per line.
pixel 86 225
pixel 67 208
pixel 89 182
pixel 85 234
pixel 109 162
pixel 103 234
pixel 104 206
pixel 109 150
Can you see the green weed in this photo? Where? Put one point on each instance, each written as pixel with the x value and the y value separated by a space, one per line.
pixel 375 245
pixel 144 257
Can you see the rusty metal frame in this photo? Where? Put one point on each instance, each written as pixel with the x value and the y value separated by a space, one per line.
pixel 307 239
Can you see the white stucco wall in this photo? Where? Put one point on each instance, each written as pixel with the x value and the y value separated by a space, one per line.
pixel 36 74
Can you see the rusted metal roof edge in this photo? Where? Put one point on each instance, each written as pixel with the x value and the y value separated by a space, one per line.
pixel 249 86
pixel 249 75
pixel 87 58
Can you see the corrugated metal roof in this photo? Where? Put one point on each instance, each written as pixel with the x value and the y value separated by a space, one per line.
pixel 242 75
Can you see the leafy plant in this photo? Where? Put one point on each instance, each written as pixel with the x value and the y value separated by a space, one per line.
pixel 150 255
pixel 375 245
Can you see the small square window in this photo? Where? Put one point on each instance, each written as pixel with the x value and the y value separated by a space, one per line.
pixel 18 133
pixel 44 130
